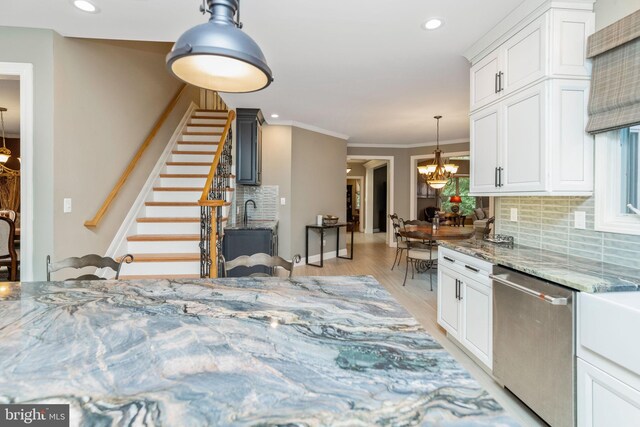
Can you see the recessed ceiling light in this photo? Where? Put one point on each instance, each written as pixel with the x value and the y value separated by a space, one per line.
pixel 432 24
pixel 85 6
pixel 275 116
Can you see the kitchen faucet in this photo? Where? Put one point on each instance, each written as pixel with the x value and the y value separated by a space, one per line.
pixel 246 217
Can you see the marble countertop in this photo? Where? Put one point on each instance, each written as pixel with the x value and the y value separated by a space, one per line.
pixel 577 273
pixel 254 225
pixel 252 351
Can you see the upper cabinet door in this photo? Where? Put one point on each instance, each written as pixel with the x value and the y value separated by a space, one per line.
pixel 485 139
pixel 525 135
pixel 525 56
pixel 484 80
pixel 570 30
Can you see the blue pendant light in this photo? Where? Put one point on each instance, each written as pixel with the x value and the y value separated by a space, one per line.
pixel 218 55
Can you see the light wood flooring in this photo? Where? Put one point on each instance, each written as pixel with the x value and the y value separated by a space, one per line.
pixel 373 257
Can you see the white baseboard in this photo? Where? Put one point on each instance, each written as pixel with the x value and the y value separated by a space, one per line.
pixel 315 259
pixel 118 245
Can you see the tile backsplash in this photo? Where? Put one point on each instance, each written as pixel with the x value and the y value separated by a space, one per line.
pixel 548 223
pixel 266 198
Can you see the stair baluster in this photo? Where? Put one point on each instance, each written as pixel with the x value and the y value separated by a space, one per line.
pixel 211 229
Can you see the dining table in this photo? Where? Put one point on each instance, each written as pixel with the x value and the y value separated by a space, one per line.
pixel 231 352
pixel 428 234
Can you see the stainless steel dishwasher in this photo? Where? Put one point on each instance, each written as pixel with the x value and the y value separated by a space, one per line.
pixel 534 344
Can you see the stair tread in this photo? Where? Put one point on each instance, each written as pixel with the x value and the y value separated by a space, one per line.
pixel 171 203
pixel 205 153
pixel 188 163
pixel 202 110
pixel 163 237
pixel 166 257
pixel 160 276
pixel 204 133
pixel 183 175
pixel 173 219
pixel 167 219
pixel 197 143
pixel 190 189
pixel 204 125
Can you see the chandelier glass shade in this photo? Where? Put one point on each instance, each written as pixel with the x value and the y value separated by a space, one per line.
pixel 218 55
pixel 438 173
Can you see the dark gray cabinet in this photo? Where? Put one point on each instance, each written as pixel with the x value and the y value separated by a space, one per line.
pixel 249 242
pixel 249 146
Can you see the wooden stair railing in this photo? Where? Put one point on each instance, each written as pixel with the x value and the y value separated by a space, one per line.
pixel 92 223
pixel 213 196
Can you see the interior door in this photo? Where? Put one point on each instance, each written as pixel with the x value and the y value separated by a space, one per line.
pixel 448 303
pixel 485 140
pixel 525 134
pixel 484 83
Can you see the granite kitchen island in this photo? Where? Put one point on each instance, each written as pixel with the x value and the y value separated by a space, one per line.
pixel 250 351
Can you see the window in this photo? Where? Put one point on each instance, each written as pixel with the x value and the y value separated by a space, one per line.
pixel 618 181
pixel 468 203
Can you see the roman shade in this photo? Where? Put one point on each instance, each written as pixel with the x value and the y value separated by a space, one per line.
pixel 614 101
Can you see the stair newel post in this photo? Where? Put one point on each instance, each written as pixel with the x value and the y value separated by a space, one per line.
pixel 214 243
pixel 205 243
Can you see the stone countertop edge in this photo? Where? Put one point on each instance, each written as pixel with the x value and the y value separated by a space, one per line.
pixel 577 273
pixel 254 225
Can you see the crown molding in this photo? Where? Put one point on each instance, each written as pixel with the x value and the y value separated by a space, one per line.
pixel 515 21
pixel 417 145
pixel 306 126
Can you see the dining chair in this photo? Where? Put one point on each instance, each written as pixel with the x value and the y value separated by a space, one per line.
pixel 401 244
pixel 8 254
pixel 91 260
pixel 420 254
pixel 8 213
pixel 261 259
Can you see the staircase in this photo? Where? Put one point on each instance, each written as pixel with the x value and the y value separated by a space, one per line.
pixel 168 232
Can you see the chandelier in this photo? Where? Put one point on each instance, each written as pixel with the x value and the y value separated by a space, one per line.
pixel 438 173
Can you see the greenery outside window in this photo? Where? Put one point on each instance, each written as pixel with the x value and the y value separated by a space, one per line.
pixel 468 202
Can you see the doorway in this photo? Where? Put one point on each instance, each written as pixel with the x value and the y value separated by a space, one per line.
pixel 380 199
pixel 16 173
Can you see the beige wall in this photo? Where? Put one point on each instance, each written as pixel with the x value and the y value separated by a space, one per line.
pixel 309 169
pixel 610 11
pixel 36 47
pixel 318 185
pixel 108 95
pixel 276 170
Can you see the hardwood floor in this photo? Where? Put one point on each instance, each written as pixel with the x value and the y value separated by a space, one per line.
pixel 373 257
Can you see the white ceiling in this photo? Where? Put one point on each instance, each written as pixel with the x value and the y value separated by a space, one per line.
pixel 10 99
pixel 362 68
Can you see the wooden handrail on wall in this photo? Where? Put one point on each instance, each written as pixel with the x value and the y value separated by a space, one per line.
pixel 92 223
pixel 214 165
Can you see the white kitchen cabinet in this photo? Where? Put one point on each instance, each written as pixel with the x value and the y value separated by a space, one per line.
pixel 608 359
pixel 484 80
pixel 448 302
pixel 604 401
pixel 533 142
pixel 528 137
pixel 465 305
pixel 485 142
pixel 523 144
pixel 477 311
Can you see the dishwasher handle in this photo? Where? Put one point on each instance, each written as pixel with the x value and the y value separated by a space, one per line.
pixel 548 298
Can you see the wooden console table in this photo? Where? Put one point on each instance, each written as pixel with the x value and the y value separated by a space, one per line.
pixel 322 228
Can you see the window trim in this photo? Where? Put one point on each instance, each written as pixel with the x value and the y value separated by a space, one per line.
pixel 607 188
